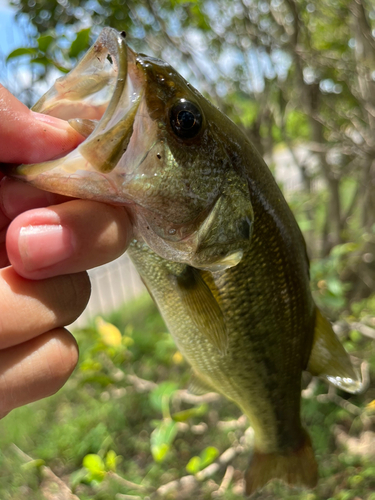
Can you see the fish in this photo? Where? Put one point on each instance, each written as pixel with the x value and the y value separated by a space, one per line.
pixel 215 243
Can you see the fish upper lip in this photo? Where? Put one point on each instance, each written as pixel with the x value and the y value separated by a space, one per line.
pixel 126 87
pixel 106 84
pixel 75 87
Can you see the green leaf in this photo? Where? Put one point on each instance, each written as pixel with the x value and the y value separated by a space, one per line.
pixel 80 43
pixel 198 18
pixel 44 41
pixel 194 465
pixel 305 225
pixel 111 461
pixel 355 336
pixel 159 452
pixel 22 51
pixel 41 60
pixel 165 389
pixel 93 462
pixel 97 378
pixel 184 415
pixel 90 364
pixel 95 466
pixel 77 477
pixel 162 438
pixel 33 464
pixel 61 68
pixel 208 456
pixel 344 249
pixel 335 286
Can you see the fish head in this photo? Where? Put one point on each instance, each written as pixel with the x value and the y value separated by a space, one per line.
pixel 154 144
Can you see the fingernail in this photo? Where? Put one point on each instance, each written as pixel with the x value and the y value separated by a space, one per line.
pixel 51 120
pixel 43 246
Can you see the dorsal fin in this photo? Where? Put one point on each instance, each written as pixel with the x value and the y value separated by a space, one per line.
pixel 330 361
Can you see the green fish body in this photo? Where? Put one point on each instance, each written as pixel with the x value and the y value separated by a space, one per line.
pixel 216 244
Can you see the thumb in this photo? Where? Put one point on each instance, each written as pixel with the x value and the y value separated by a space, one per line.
pixel 29 137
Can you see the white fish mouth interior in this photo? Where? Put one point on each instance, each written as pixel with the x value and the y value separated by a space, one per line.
pixel 100 81
pixel 99 89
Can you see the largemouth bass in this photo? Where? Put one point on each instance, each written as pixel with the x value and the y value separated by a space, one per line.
pixel 215 242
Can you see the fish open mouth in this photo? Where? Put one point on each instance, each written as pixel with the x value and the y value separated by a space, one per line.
pixel 100 98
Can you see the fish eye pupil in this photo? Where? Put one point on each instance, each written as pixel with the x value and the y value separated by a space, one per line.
pixel 186 119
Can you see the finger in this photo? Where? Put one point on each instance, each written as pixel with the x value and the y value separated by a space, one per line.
pixel 4 261
pixel 17 197
pixel 28 137
pixel 36 369
pixel 30 308
pixel 4 222
pixel 67 238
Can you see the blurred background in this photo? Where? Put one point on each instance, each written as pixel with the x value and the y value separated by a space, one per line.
pixel 299 78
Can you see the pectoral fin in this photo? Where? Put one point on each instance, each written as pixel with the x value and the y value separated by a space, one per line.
pixel 202 307
pixel 329 360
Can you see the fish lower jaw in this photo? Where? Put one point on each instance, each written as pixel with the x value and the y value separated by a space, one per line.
pixel 83 184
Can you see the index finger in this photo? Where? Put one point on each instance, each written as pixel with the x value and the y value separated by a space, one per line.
pixel 17 197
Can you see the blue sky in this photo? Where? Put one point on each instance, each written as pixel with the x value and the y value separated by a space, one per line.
pixel 10 36
pixel 13 34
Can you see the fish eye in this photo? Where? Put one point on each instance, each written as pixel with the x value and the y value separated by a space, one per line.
pixel 186 119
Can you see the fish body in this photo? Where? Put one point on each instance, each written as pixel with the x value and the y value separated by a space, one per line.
pixel 215 242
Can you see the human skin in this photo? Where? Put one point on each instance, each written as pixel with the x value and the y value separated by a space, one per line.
pixel 47 242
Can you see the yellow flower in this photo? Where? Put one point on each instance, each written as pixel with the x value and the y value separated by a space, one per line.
pixel 177 358
pixel 109 333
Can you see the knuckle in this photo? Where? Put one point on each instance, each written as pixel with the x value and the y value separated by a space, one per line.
pixel 73 291
pixel 64 360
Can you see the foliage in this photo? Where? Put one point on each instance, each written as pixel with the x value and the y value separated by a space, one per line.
pixel 113 431
pixel 50 50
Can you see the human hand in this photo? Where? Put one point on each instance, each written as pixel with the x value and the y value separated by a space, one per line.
pixel 47 241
